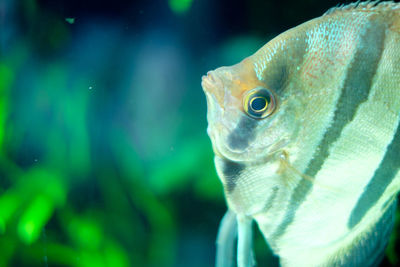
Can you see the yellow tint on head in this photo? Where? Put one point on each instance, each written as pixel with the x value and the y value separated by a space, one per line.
pixel 245 78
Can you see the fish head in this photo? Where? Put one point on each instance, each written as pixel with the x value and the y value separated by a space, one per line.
pixel 236 131
pixel 250 120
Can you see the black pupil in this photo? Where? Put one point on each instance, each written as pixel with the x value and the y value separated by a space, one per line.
pixel 258 104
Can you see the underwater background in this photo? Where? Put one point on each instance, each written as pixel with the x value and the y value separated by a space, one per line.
pixel 104 156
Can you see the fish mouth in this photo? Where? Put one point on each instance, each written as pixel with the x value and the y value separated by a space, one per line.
pixel 210 81
pixel 213 86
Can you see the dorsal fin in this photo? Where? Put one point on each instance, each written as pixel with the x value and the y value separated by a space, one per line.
pixel 364 6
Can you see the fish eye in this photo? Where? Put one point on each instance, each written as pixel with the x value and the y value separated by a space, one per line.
pixel 259 103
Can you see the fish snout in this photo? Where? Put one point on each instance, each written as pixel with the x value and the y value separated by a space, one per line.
pixel 212 84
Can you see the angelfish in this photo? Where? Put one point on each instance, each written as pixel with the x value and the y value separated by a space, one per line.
pixel 306 139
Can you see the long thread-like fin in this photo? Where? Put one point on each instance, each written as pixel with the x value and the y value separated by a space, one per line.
pixel 245 257
pixel 227 234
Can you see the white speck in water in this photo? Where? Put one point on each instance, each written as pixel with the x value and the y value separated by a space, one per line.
pixel 90 87
pixel 298 68
pixel 36 160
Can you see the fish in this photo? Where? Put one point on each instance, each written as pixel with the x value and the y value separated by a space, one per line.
pixel 306 140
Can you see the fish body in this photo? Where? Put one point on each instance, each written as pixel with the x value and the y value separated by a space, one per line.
pixel 307 140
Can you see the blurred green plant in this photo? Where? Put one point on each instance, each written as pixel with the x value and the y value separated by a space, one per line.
pixel 68 199
pixel 180 6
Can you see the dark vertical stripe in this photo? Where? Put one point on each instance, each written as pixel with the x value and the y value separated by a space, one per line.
pixel 243 133
pixel 370 248
pixel 231 171
pixel 385 173
pixel 355 91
